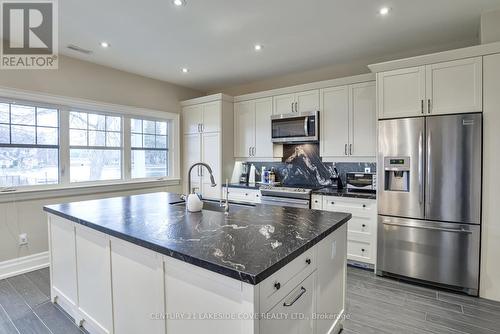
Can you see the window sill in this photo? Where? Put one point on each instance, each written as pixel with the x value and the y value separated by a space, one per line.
pixel 87 188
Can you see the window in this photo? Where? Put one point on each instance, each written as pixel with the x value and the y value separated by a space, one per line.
pixel 29 145
pixel 95 147
pixel 149 144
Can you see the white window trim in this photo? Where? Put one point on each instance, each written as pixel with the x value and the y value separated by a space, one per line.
pixel 66 104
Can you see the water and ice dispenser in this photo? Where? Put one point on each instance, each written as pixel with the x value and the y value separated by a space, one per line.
pixel 397 174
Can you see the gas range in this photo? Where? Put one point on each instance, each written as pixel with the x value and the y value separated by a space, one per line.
pixel 286 196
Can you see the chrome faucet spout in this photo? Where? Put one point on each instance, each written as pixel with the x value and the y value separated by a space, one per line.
pixel 212 179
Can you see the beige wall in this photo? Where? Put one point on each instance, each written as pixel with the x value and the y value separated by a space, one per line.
pixel 81 79
pixel 339 70
pixel 490 27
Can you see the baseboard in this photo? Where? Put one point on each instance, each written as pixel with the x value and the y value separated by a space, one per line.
pixel 23 265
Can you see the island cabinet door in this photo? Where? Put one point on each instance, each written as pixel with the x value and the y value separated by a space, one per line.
pixel 94 280
pixel 330 288
pixel 138 290
pixel 63 264
pixel 294 313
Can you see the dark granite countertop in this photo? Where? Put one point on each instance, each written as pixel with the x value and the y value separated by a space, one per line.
pixel 331 191
pixel 248 244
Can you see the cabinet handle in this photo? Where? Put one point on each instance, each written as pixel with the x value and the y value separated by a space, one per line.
pixel 308 261
pixel 362 250
pixel 350 149
pixel 364 225
pixel 277 285
pixel 332 203
pixel 296 107
pixel 429 106
pixel 302 291
pixel 292 106
pixel 364 205
pixel 315 201
pixel 345 149
pixel 253 151
pixel 249 151
pixel 422 106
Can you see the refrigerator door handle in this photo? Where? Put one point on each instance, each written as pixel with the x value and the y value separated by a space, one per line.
pixel 455 230
pixel 421 167
pixel 429 167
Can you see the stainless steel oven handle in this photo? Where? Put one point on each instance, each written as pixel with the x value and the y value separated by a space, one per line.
pixel 301 293
pixel 461 230
pixel 306 130
pixel 265 198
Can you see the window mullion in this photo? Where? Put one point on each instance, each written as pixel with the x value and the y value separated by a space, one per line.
pixel 64 154
pixel 126 153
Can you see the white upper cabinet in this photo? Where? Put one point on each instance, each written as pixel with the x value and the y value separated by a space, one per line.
pixel 263 144
pixel 307 101
pixel 334 121
pixel 455 86
pixel 244 128
pixel 252 129
pixel 441 88
pixel 348 121
pixel 211 117
pixel 401 93
pixel 192 119
pixel 202 118
pixel 296 102
pixel 362 138
pixel 284 104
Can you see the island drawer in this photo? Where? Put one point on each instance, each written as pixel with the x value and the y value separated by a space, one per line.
pixel 357 207
pixel 359 251
pixel 278 285
pixel 361 225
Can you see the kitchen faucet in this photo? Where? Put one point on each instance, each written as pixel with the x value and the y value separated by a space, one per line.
pixel 212 180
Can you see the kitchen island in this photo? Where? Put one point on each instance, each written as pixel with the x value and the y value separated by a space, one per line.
pixel 144 264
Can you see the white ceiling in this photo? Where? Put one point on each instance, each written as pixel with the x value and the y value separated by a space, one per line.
pixel 215 38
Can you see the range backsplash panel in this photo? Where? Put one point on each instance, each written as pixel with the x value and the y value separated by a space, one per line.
pixel 302 167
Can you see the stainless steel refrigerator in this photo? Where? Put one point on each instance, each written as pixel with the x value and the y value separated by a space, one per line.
pixel 429 199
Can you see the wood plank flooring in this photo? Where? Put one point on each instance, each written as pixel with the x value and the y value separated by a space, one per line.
pixel 374 305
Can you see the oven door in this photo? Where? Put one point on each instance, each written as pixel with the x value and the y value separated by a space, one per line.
pixel 288 202
pixel 296 127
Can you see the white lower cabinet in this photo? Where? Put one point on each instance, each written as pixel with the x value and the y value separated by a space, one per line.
pixel 242 195
pixel 362 228
pixel 94 280
pixel 138 290
pixel 123 288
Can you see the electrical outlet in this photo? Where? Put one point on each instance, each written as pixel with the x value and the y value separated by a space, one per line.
pixel 23 239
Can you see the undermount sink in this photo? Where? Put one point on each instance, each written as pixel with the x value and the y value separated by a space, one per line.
pixel 215 206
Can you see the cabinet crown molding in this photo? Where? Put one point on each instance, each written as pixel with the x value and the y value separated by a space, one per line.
pixel 208 98
pixel 439 57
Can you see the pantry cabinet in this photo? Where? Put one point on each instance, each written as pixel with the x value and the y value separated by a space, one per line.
pixel 441 88
pixel 296 102
pixel 252 129
pixel 208 137
pixel 348 121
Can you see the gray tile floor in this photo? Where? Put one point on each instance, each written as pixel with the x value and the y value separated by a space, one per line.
pixel 374 305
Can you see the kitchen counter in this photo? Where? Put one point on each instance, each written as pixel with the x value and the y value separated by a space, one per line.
pixel 254 186
pixel 248 244
pixel 331 191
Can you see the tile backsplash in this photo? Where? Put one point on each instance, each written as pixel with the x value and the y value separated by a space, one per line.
pixel 302 166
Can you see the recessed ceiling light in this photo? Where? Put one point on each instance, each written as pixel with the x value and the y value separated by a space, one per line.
pixel 184 70
pixel 384 10
pixel 179 3
pixel 257 47
pixel 104 44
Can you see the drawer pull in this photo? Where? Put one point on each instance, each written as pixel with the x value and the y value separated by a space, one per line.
pixel 277 285
pixel 246 194
pixel 362 250
pixel 364 225
pixel 302 291
pixel 364 205
pixel 332 203
pixel 308 261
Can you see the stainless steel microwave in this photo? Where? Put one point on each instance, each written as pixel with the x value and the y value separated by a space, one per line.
pixel 295 127
pixel 361 181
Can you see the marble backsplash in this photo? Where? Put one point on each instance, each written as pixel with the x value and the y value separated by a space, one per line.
pixel 302 167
